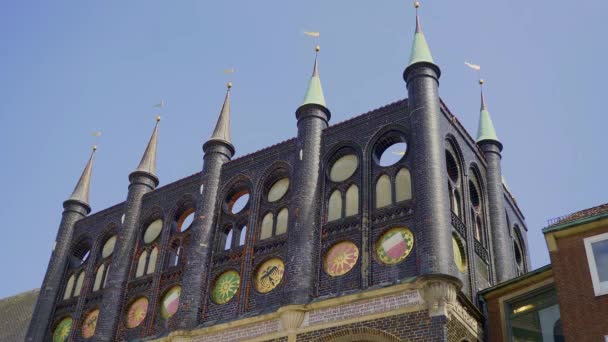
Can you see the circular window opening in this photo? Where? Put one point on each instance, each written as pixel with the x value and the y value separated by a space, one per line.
pixel 153 231
pixel 238 202
pixel 390 149
pixel 474 194
pixel 278 190
pixel 108 247
pixel 185 220
pixel 344 168
pixel 81 253
pixel 451 166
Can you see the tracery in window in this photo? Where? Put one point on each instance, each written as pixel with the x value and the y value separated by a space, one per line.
pixel 477 209
pixel 282 218
pixel 454 188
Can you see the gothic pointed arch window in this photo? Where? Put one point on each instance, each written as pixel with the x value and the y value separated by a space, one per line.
pixel 149 250
pixel 477 205
pixel 180 235
pixel 392 178
pixel 77 262
pixel 103 266
pixel 342 190
pixel 454 172
pixel 519 251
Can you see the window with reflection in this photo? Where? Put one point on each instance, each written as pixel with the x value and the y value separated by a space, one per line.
pixel 535 317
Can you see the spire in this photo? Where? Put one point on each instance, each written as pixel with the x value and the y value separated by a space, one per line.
pixel 148 160
pixel 420 49
pixel 314 93
pixel 222 128
pixel 486 129
pixel 81 191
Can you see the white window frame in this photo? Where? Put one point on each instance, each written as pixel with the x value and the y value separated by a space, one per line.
pixel 600 288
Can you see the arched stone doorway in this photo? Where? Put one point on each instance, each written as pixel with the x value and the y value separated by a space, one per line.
pixel 359 335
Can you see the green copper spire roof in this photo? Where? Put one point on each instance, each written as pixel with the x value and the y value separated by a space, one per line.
pixel 420 49
pixel 222 128
pixel 148 160
pixel 486 129
pixel 81 191
pixel 314 93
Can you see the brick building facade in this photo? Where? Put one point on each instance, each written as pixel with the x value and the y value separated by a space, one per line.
pixel 564 301
pixel 331 243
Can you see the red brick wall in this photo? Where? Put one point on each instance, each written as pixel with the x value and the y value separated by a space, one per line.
pixel 584 316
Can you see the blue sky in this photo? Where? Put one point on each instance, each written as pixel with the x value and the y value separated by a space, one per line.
pixel 70 68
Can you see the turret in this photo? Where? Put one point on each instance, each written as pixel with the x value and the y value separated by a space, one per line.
pixel 217 151
pixel 502 248
pixel 304 225
pixel 75 208
pixel 142 181
pixel 434 249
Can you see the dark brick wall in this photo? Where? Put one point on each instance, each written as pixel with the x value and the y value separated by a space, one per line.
pixel 359 135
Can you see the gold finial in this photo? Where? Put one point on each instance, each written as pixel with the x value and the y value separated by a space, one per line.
pixel 158 118
pixel 481 81
pixel 94 147
pixel 317 48
pixel 229 85
pixel 416 4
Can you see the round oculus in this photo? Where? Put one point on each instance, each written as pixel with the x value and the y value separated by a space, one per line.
pixel 90 323
pixel 170 302
pixel 269 275
pixel 344 168
pixel 153 231
pixel 137 312
pixel 108 247
pixel 341 258
pixel 278 190
pixel 62 330
pixel 226 286
pixel 395 245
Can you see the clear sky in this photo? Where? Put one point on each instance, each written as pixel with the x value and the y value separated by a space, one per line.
pixel 68 68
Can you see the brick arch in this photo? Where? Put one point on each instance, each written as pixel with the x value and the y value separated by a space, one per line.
pixel 362 334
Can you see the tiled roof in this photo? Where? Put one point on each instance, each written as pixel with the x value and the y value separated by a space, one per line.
pixel 600 209
pixel 15 314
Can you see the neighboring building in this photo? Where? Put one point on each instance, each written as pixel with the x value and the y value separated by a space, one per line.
pixel 566 300
pixel 15 315
pixel 319 238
